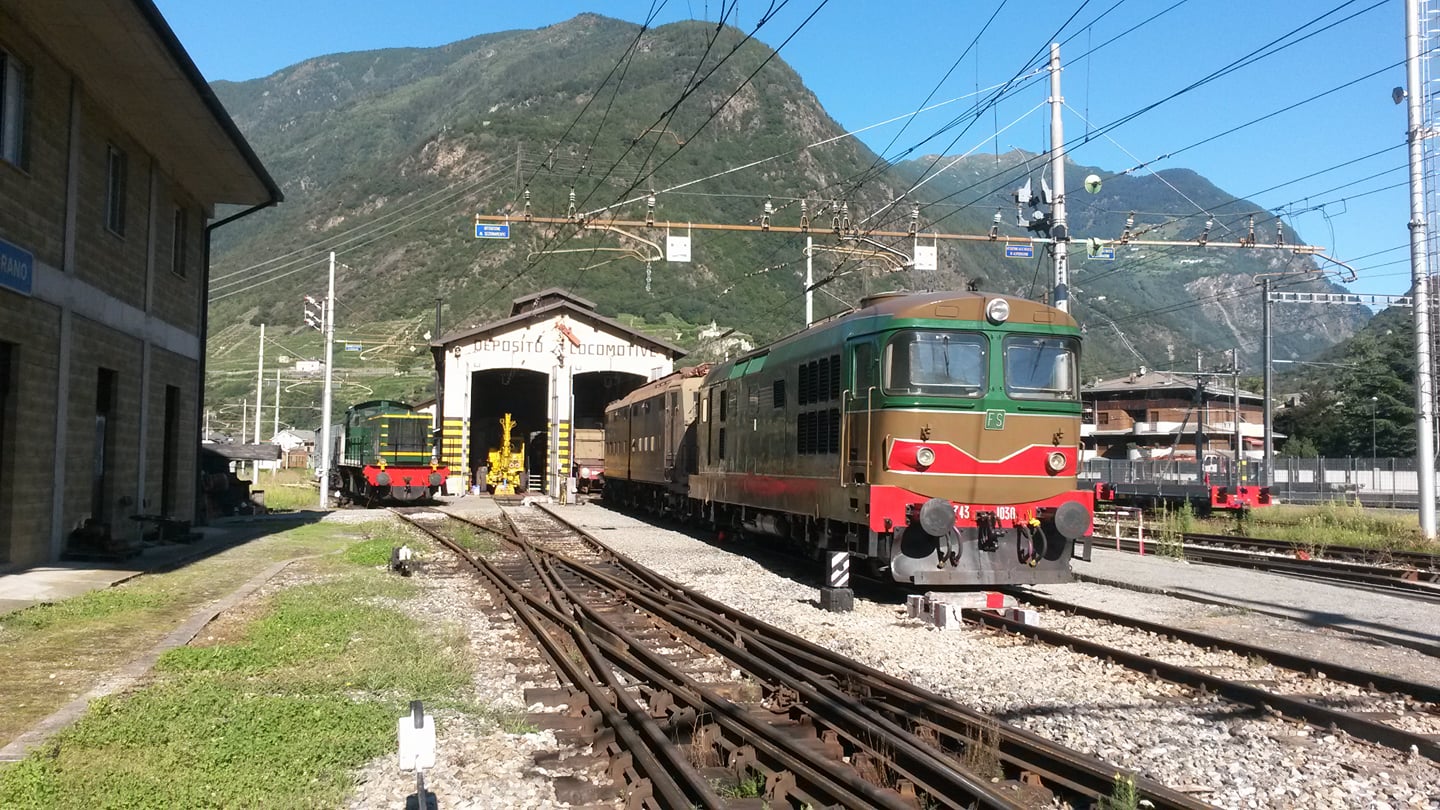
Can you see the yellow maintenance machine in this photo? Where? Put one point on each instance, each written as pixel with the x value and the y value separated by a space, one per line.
pixel 507 464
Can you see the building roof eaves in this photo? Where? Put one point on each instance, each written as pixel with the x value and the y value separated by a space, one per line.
pixel 540 313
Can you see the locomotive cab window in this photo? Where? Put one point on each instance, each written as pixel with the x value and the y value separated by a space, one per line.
pixel 944 363
pixel 864 375
pixel 1042 367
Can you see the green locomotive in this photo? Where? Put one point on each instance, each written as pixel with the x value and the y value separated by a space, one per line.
pixel 933 436
pixel 384 452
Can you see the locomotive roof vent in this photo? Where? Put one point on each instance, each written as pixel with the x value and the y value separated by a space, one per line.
pixel 875 298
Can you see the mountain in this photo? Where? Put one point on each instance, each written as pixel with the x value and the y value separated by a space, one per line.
pixel 385 157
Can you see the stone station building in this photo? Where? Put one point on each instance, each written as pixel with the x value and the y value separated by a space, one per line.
pixel 114 153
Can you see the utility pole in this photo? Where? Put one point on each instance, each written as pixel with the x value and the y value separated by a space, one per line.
pixel 1060 230
pixel 1419 273
pixel 1268 474
pixel 439 383
pixel 809 280
pixel 1239 461
pixel 259 402
pixel 327 451
pixel 277 417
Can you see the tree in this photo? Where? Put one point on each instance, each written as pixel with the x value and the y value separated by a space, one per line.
pixel 1360 386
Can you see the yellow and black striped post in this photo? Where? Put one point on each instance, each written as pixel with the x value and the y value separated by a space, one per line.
pixel 455 448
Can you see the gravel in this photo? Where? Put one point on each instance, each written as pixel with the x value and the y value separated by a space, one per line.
pixel 478 763
pixel 1226 754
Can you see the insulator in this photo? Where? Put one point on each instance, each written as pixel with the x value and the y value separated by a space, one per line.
pixel 647 277
pixel 914 218
pixel 1279 232
pixel 1205 235
pixel 845 216
pixel 527 205
pixel 765 217
pixel 650 208
pixel 769 206
pixel 571 212
pixel 835 215
pixel 804 216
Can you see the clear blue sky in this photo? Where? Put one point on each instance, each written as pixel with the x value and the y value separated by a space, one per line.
pixel 869 61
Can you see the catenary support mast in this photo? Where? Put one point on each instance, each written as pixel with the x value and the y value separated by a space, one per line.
pixel 1060 230
pixel 1420 274
pixel 327 451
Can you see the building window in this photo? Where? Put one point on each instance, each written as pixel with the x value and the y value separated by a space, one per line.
pixel 13 86
pixel 180 242
pixel 1103 418
pixel 116 175
pixel 170 453
pixel 777 393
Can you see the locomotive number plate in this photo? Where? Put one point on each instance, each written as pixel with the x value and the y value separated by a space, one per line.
pixel 965 511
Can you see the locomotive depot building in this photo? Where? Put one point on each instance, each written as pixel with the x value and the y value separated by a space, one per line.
pixel 553 365
pixel 114 153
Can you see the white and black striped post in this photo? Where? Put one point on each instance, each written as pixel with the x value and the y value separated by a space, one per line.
pixel 836 595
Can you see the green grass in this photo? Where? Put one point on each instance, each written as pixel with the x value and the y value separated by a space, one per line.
pixel 383 537
pixel 55 652
pixel 279 712
pixel 1331 524
pixel 204 743
pixel 749 786
pixel 475 541
pixel 110 603
pixel 1123 796
pixel 290 490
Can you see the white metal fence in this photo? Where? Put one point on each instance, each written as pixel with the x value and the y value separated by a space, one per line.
pixel 1373 482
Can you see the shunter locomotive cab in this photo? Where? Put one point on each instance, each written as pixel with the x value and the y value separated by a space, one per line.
pixel 387 454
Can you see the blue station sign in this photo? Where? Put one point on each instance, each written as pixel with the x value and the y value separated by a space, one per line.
pixel 17 268
pixel 1019 251
pixel 489 231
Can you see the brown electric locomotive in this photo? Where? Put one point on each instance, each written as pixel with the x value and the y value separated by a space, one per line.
pixel 933 436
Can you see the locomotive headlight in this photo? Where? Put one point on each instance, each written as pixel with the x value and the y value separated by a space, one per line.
pixel 584 472
pixel 924 457
pixel 1056 462
pixel 997 310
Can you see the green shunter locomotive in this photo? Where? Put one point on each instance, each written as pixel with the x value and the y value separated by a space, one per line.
pixel 385 452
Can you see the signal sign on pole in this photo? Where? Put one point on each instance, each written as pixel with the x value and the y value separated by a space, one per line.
pixel 1104 254
pixel 677 248
pixel 1019 251
pixel 484 230
pixel 926 257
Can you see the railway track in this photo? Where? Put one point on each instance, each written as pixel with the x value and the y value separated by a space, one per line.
pixel 1387 711
pixel 1411 574
pixel 656 666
